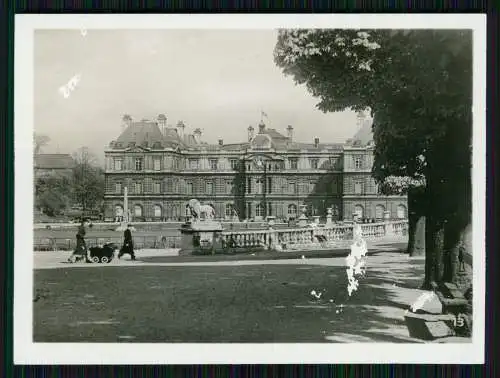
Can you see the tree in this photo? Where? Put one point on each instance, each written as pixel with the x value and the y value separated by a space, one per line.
pixel 418 86
pixel 52 194
pixel 39 141
pixel 88 180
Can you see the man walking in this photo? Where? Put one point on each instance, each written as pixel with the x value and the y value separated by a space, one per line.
pixel 128 244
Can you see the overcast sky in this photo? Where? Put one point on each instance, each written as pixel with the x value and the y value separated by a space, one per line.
pixel 212 79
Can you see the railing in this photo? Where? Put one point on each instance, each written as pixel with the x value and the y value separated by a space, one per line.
pixel 333 236
pixel 140 242
pixel 321 237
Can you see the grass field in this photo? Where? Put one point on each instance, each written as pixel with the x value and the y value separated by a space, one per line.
pixel 253 303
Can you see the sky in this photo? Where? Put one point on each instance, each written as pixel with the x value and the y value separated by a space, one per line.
pixel 215 80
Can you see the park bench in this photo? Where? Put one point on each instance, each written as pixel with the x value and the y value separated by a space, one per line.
pixel 453 320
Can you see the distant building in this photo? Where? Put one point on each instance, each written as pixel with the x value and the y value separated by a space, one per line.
pixel 49 164
pixel 270 174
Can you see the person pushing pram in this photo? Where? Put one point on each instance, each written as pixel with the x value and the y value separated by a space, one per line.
pixel 81 252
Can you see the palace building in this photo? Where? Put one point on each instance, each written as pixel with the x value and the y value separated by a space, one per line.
pixel 270 174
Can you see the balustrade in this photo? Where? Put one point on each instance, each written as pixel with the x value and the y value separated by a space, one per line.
pixel 297 238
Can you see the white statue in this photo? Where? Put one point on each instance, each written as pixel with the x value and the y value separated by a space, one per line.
pixel 197 209
pixel 356 260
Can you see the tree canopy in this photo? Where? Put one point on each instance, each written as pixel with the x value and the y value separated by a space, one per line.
pixel 415 82
pixel 418 87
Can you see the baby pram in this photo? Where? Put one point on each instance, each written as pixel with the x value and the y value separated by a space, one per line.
pixel 103 254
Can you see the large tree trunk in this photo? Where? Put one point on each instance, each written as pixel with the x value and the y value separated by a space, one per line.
pixel 416 222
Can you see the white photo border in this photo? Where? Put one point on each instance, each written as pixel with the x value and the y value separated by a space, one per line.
pixel 28 352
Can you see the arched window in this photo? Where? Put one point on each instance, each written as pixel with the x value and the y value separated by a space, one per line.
pixel 229 210
pixel 379 211
pixel 157 211
pixel 292 210
pixel 259 210
pixel 401 212
pixel 138 210
pixel 119 211
pixel 358 210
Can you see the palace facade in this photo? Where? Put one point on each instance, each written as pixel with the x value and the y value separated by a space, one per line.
pixel 270 174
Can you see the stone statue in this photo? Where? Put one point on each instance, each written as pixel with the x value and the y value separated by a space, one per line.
pixel 197 209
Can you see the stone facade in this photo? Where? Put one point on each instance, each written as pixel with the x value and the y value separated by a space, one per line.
pixel 270 174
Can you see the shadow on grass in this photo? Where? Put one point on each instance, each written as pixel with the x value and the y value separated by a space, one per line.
pixel 256 303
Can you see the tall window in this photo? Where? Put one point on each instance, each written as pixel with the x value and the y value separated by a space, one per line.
pixel 401 212
pixel 259 210
pixel 193 164
pixel 292 188
pixel 314 163
pixel 293 163
pixel 229 210
pixel 213 164
pixel 358 162
pixel 292 210
pixel 335 210
pixel 209 187
pixel 157 211
pixel 259 185
pixel 118 187
pixel 269 185
pixel 138 210
pixel 379 211
pixel 138 188
pixel 358 211
pixel 234 164
pixel 358 187
pixel 118 164
pixel 138 164
pixel 157 187
pixel 157 164
pixel 189 188
pixel 249 185
pixel 334 187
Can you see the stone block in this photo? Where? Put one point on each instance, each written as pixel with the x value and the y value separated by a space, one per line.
pixel 429 326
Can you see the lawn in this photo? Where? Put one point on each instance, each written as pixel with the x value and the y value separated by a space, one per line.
pixel 253 303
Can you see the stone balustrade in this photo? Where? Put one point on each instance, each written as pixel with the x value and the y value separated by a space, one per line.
pixel 333 236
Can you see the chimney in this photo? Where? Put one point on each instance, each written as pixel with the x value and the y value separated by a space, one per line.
pixel 316 142
pixel 250 133
pixel 262 127
pixel 180 129
pixel 162 122
pixel 197 135
pixel 289 130
pixel 221 142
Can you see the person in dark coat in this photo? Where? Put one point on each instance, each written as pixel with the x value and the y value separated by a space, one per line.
pixel 80 251
pixel 128 244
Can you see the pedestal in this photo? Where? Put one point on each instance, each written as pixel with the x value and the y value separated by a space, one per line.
pixel 200 238
pixel 316 219
pixel 329 214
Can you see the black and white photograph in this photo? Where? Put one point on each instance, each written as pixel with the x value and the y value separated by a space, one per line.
pixel 249 189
